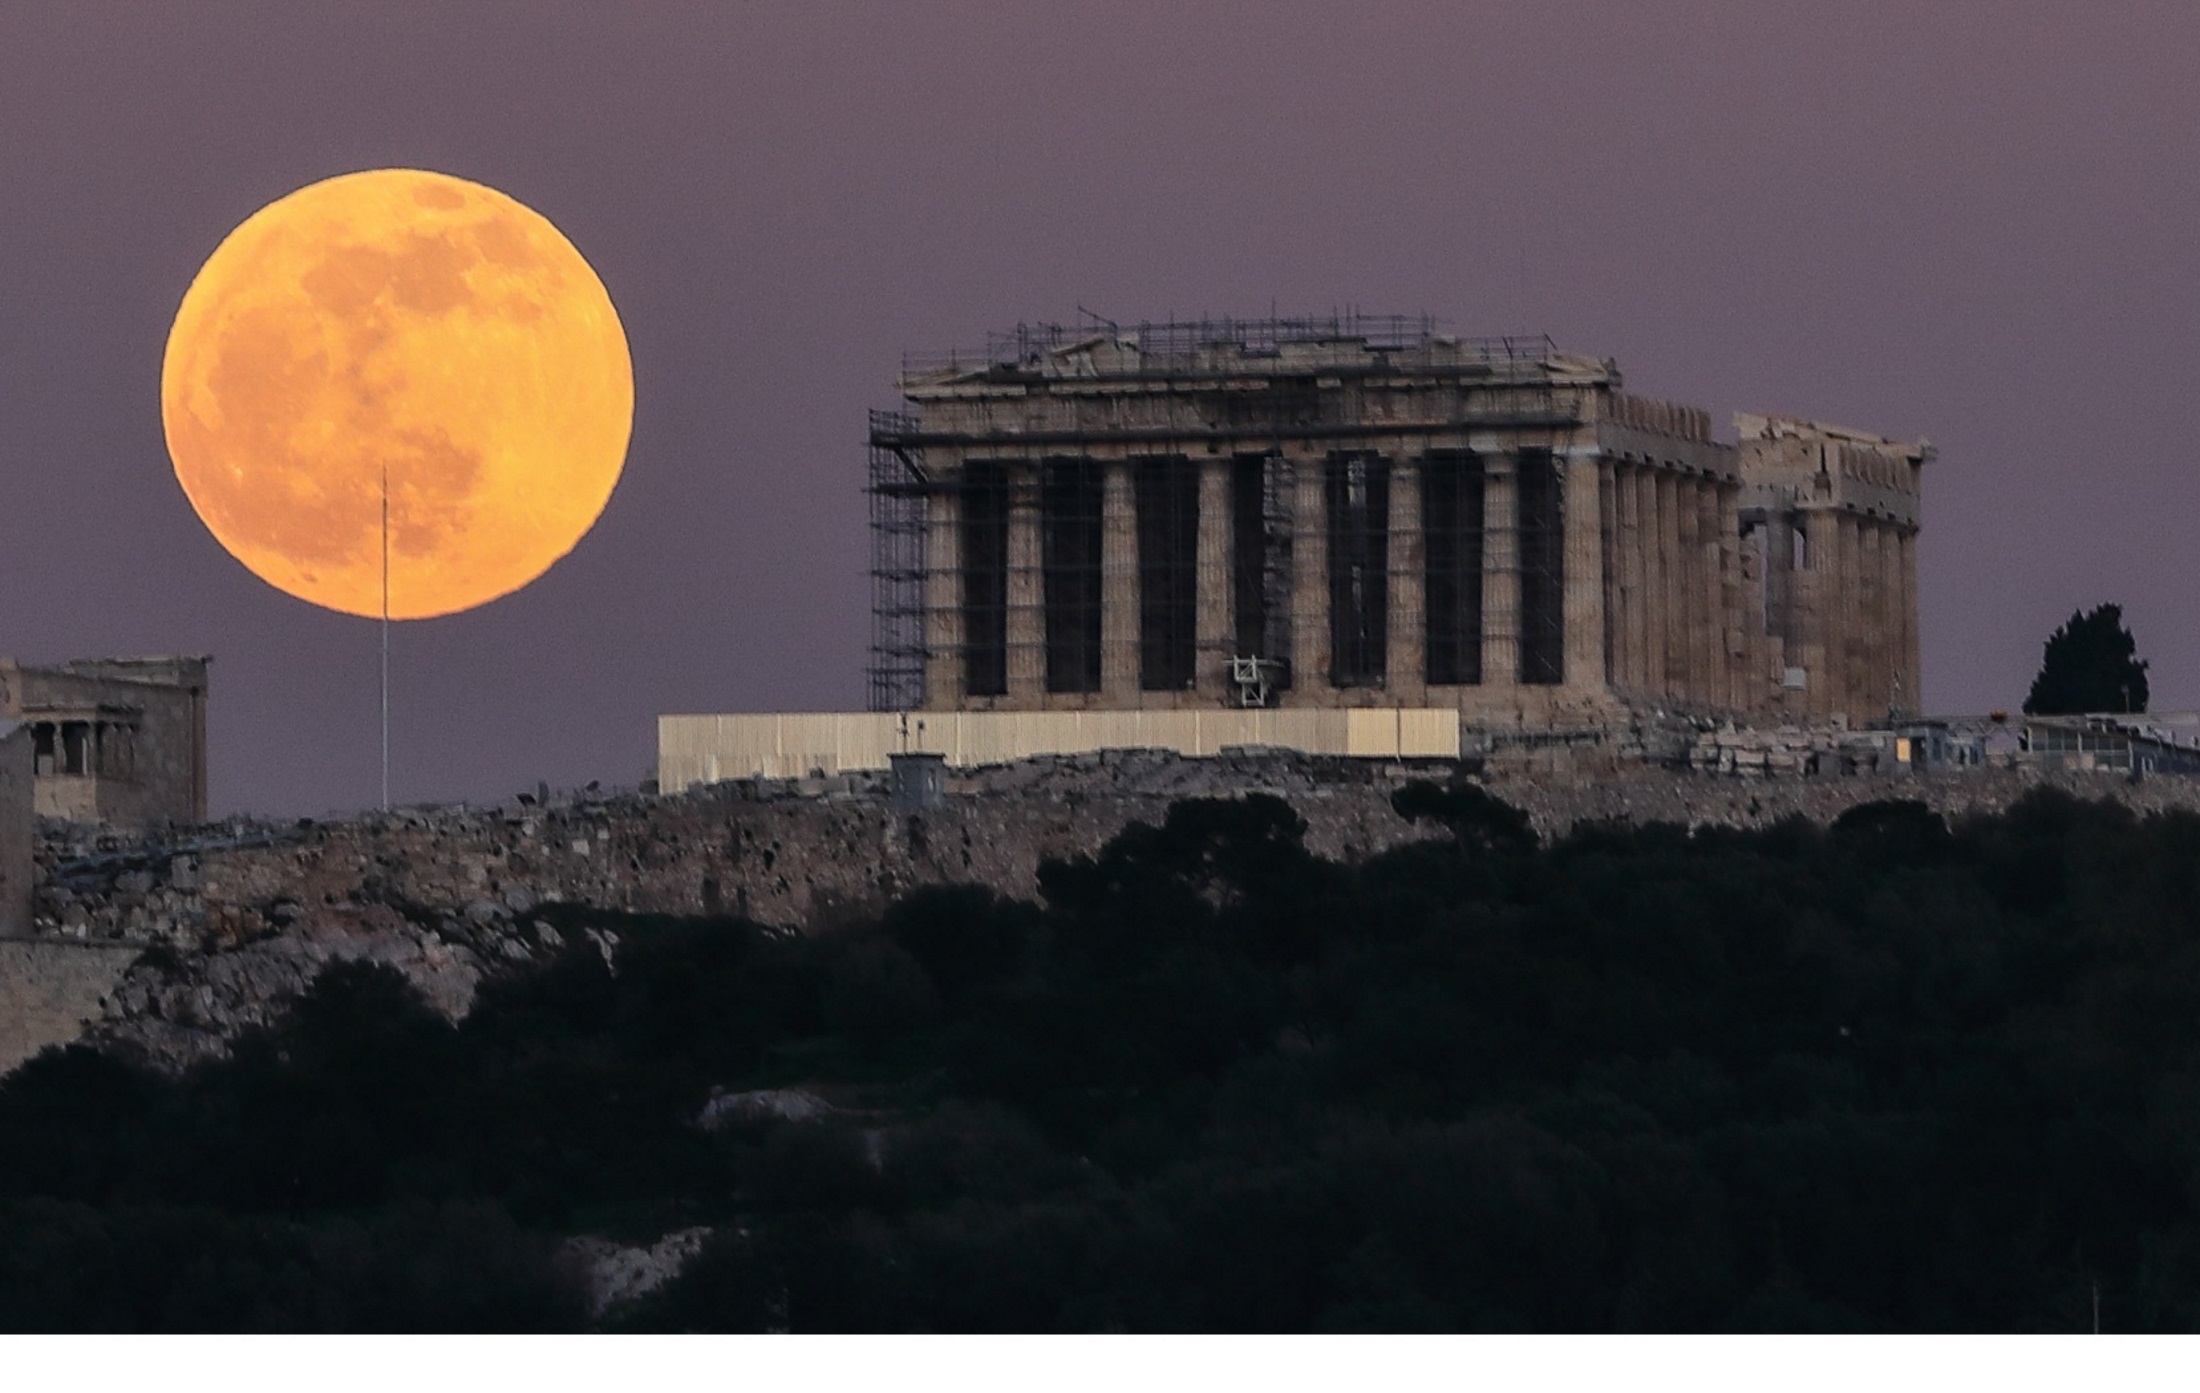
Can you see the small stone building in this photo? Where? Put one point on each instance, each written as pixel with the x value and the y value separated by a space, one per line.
pixel 1362 512
pixel 113 740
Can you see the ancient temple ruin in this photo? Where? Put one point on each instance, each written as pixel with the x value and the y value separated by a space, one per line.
pixel 1353 536
pixel 113 740
pixel 1365 513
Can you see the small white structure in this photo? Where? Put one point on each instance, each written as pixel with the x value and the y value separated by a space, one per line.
pixel 695 750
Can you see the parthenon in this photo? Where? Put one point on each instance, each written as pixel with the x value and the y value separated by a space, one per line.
pixel 1364 512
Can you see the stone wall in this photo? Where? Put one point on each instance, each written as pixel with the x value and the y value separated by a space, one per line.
pixel 16 852
pixel 50 991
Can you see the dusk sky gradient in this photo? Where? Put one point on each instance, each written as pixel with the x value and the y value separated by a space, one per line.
pixel 1971 222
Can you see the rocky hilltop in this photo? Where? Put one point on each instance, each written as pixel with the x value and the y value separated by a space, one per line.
pixel 234 920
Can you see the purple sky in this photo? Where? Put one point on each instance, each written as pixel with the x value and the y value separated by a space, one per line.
pixel 1971 222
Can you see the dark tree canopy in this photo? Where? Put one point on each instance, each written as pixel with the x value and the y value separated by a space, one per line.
pixel 1903 1073
pixel 2089 665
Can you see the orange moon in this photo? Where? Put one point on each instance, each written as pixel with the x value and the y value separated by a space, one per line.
pixel 404 337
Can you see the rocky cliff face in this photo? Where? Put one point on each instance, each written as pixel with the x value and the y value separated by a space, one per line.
pixel 237 923
pixel 236 920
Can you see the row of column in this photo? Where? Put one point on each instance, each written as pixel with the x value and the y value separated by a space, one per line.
pixel 1672 578
pixel 1583 484
pixel 1653 601
pixel 88 747
pixel 1857 626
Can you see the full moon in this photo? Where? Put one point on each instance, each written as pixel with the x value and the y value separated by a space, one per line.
pixel 397 376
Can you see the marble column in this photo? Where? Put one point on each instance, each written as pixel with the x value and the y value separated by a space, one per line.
pixel 1852 605
pixel 1661 559
pixel 1500 572
pixel 1876 673
pixel 1120 677
pixel 1405 671
pixel 1834 598
pixel 1913 673
pixel 1689 624
pixel 944 687
pixel 1309 576
pixel 1806 646
pixel 1027 658
pixel 1787 587
pixel 1582 515
pixel 1898 622
pixel 1213 620
pixel 1890 619
pixel 1639 513
pixel 1609 574
pixel 1735 640
pixel 1710 603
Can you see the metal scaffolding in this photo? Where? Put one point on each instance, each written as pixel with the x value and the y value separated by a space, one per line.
pixel 897 487
pixel 1191 343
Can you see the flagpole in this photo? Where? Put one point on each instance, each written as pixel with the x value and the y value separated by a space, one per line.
pixel 385 638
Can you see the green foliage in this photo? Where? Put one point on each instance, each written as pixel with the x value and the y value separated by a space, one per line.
pixel 2089 665
pixel 1895 1074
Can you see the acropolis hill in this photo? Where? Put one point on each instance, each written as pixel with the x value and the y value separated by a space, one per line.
pixel 246 913
pixel 1114 568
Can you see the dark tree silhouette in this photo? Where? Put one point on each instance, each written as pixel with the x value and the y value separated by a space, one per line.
pixel 1475 816
pixel 2089 666
pixel 1904 1073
